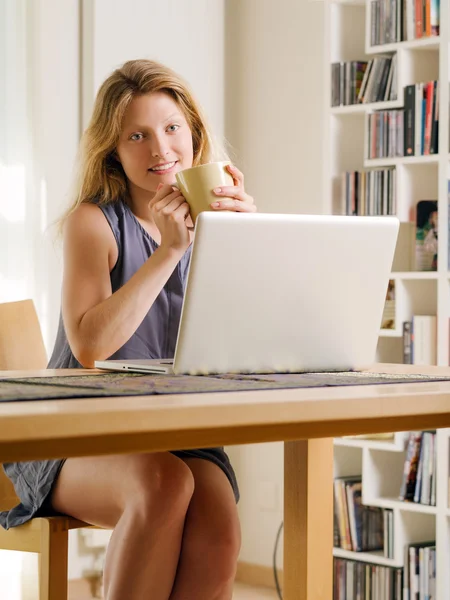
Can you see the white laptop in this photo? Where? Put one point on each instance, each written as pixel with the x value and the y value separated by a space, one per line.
pixel 280 293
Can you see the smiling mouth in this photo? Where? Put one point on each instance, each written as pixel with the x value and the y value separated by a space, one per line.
pixel 162 168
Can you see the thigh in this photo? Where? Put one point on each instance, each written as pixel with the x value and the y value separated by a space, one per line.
pixel 97 489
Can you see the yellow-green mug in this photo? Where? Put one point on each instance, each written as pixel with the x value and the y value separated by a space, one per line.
pixel 197 184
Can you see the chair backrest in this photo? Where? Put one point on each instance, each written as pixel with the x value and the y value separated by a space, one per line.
pixel 21 343
pixel 21 347
pixel 8 497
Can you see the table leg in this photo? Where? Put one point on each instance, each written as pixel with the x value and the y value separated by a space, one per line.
pixel 308 520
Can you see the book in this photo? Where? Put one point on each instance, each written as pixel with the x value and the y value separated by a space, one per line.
pixel 410 468
pixel 426 235
pixel 357 527
pixel 424 340
pixel 409 120
pixel 420 571
pixel 407 343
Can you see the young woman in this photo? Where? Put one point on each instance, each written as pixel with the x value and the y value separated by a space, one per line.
pixel 126 254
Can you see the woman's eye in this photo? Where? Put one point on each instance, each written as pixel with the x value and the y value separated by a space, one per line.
pixel 173 128
pixel 136 137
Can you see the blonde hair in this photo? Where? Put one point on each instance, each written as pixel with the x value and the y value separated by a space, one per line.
pixel 101 178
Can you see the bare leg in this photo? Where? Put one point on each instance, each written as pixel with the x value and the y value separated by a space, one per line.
pixel 145 499
pixel 211 539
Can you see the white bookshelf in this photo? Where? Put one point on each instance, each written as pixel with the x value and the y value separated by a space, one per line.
pixel 376 558
pixel 396 443
pixel 403 160
pixel 380 462
pixel 417 177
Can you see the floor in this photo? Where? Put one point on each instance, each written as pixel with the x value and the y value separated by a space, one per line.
pixel 241 592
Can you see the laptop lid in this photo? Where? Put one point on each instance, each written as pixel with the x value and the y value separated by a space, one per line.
pixel 284 293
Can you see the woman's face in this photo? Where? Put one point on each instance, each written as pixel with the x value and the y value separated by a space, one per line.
pixel 155 143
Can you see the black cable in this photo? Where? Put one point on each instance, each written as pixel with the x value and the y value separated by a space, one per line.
pixel 275 574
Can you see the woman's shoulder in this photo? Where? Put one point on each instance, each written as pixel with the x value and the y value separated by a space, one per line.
pixel 92 214
pixel 87 229
pixel 86 215
pixel 86 224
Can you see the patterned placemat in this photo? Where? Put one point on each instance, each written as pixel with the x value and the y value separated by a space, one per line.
pixel 137 384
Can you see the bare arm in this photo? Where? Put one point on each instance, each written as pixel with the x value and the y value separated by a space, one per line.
pixel 97 321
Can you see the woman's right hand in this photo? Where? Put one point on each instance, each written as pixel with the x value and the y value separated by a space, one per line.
pixel 170 212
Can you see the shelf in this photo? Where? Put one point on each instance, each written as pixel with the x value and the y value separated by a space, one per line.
pixel 381 462
pixel 387 445
pixel 415 275
pixel 349 2
pixel 428 43
pixel 390 333
pixel 405 506
pixel 361 109
pixel 376 557
pixel 402 160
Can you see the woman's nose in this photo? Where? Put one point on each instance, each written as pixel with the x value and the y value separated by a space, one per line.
pixel 159 149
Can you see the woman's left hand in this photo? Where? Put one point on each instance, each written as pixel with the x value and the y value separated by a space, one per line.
pixel 235 198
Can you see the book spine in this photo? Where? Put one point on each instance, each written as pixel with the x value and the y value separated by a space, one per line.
pixel 427 18
pixel 428 117
pixel 409 120
pixel 419 20
pixel 433 149
pixel 413 465
pixel 418 120
pixel 434 17
pixel 418 488
pixel 433 476
pixel 422 129
pixel 407 358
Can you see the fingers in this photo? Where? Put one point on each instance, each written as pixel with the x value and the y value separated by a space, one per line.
pixel 177 208
pixel 238 177
pixel 234 198
pixel 234 205
pixel 169 202
pixel 231 191
pixel 163 195
pixel 159 202
pixel 189 222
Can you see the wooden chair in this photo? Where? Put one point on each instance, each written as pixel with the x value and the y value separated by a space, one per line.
pixel 21 343
pixel 22 347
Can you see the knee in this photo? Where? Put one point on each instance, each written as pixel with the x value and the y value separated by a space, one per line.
pixel 162 487
pixel 226 552
pixel 219 545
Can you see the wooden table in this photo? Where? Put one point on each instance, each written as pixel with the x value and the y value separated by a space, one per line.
pixel 305 419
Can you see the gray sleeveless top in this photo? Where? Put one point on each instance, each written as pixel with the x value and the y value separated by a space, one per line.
pixel 157 334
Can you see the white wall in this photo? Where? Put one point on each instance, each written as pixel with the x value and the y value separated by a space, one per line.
pixel 274 120
pixel 187 36
pixel 18 226
pixel 53 61
pixel 54 81
pixel 39 132
pixel 274 100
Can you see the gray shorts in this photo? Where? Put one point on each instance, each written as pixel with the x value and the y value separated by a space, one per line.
pixel 33 482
